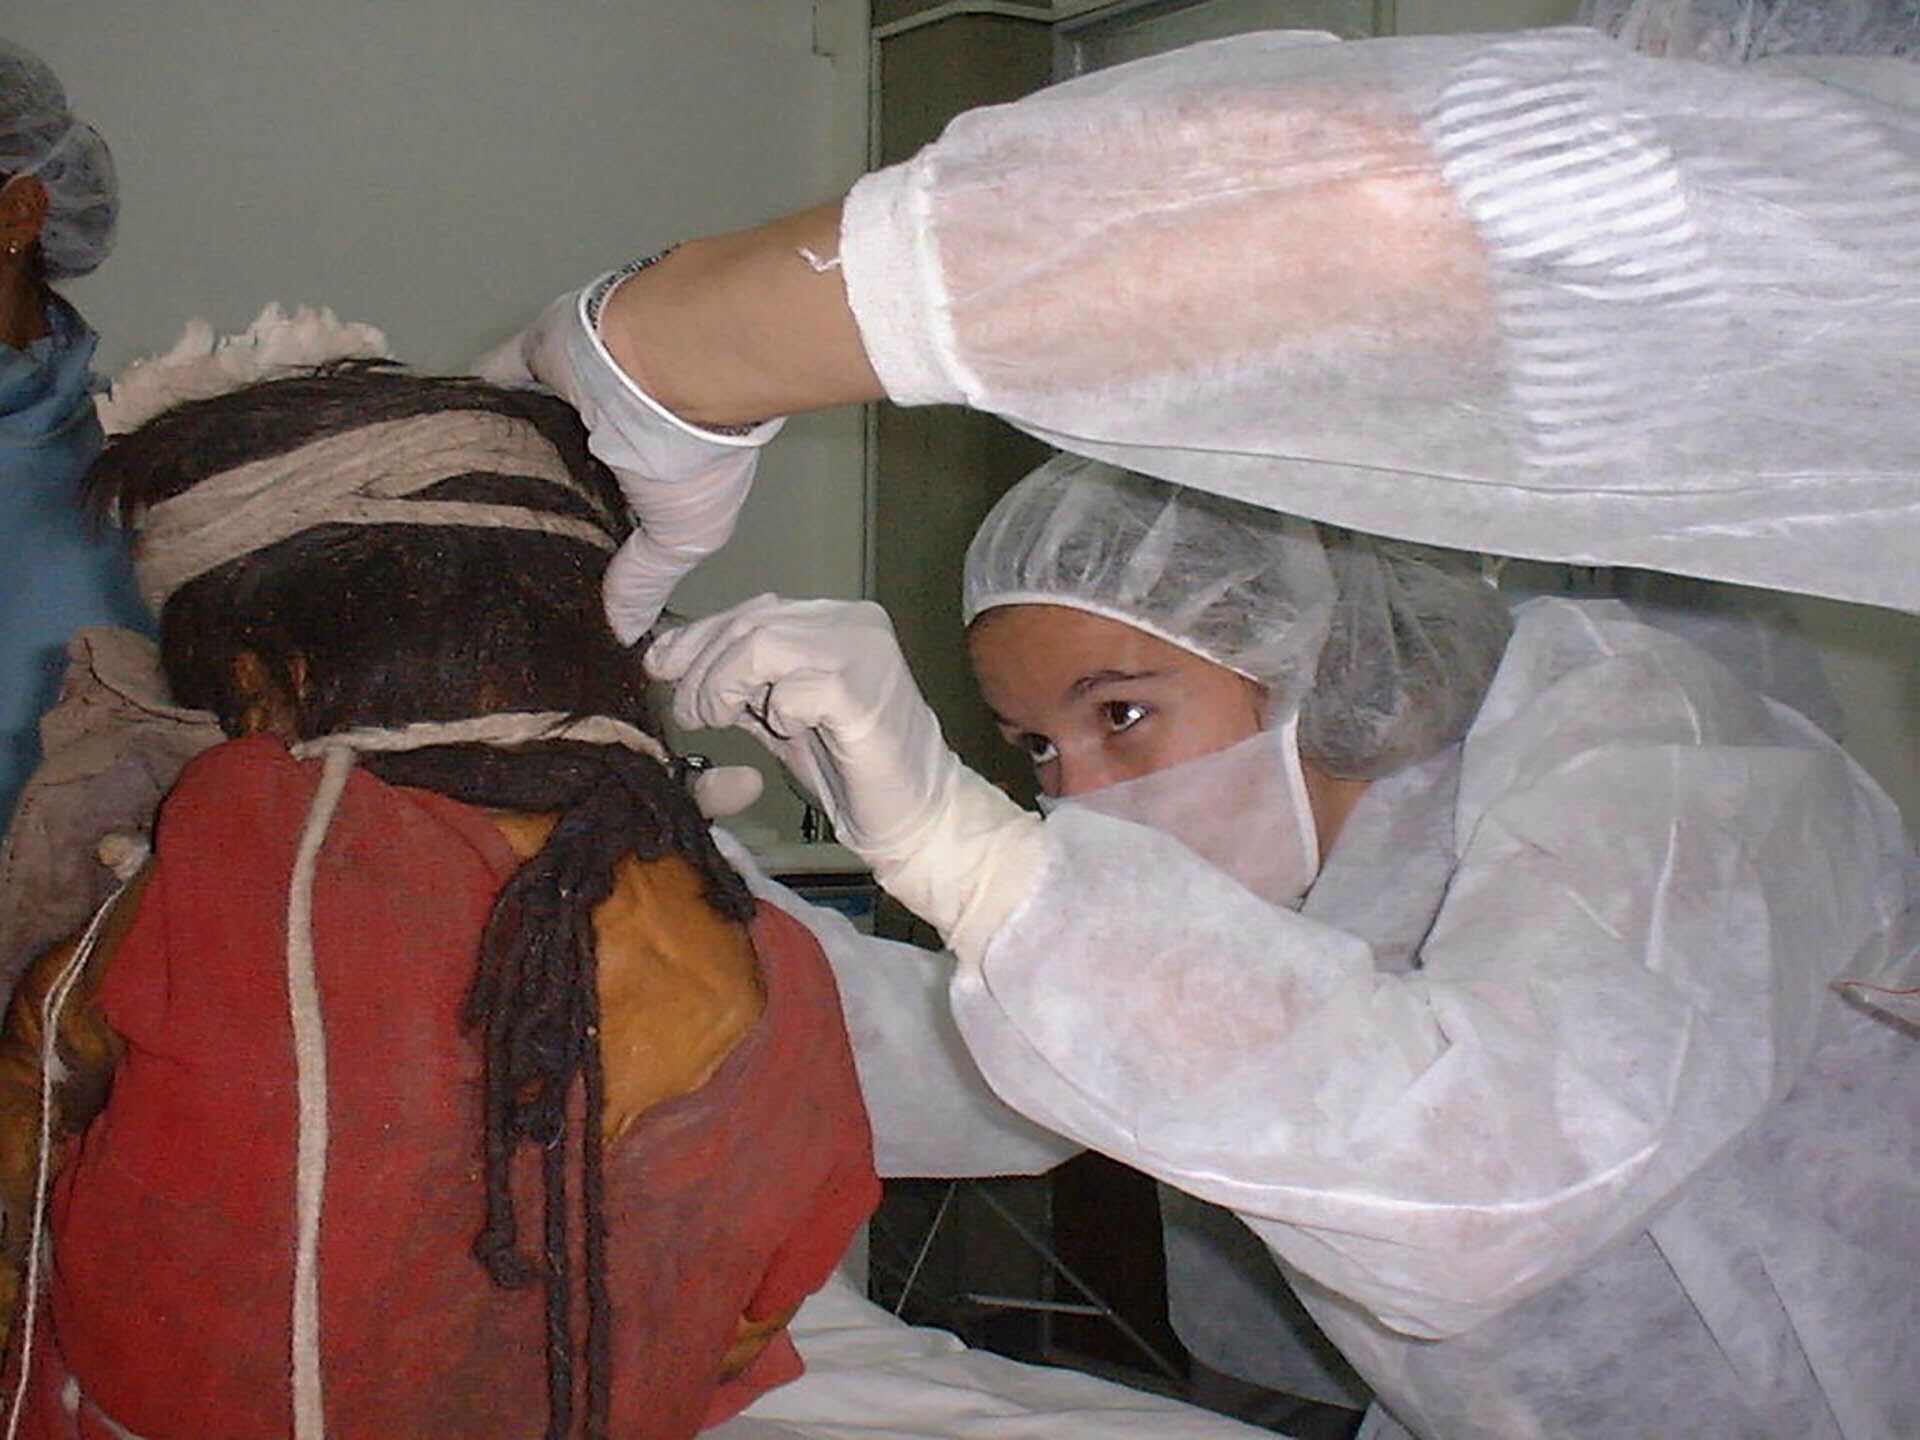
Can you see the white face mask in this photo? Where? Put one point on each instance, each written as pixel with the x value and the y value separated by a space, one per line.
pixel 1243 809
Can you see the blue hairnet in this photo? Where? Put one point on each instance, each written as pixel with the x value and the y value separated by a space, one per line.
pixel 39 136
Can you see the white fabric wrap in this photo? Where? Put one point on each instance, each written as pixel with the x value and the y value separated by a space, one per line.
pixel 362 477
pixel 1533 294
pixel 1624 1002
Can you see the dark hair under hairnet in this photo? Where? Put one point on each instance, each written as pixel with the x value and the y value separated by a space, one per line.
pixel 1415 637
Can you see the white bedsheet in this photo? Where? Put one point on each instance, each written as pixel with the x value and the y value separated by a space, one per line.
pixel 871 1376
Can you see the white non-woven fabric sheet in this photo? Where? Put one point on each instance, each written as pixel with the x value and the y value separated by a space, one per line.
pixel 871 1376
pixel 932 1112
pixel 1531 294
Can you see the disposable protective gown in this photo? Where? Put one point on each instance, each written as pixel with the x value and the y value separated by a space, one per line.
pixel 1546 1103
pixel 58 574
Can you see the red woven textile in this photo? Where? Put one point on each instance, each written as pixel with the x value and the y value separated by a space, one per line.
pixel 173 1223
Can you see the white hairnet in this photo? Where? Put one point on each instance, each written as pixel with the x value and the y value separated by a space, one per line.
pixel 1743 30
pixel 1412 644
pixel 39 136
pixel 1399 642
pixel 1243 587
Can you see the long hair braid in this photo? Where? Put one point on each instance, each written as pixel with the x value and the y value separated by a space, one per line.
pixel 535 1002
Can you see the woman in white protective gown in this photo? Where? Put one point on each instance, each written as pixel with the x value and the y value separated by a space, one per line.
pixel 1570 1100
pixel 1546 1099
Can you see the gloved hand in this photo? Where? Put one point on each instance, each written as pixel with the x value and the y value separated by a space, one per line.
pixel 823 685
pixel 723 790
pixel 686 485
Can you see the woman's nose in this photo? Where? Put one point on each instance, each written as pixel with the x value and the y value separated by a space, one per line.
pixel 1083 772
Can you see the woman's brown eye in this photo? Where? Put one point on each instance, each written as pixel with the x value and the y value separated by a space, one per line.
pixel 1122 714
pixel 1039 748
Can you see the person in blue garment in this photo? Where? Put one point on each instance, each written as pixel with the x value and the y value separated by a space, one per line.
pixel 58 204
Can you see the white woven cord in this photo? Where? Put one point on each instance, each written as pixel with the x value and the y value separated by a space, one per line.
pixel 310 1061
pixel 52 1071
pixel 511 727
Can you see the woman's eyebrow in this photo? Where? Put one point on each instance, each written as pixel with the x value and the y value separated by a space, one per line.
pixel 1109 677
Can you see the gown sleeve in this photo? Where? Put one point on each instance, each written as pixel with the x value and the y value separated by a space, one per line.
pixel 932 1113
pixel 1659 877
pixel 1532 294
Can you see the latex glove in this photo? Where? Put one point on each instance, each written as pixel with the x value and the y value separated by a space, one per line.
pixel 823 685
pixel 723 790
pixel 686 485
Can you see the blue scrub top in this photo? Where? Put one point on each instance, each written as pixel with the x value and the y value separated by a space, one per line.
pixel 57 574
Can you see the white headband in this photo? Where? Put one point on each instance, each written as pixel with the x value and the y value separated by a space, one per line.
pixel 359 477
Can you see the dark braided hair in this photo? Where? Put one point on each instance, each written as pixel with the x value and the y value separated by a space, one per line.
pixel 536 1002
pixel 391 624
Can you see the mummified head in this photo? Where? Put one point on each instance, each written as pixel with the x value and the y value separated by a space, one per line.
pixel 364 547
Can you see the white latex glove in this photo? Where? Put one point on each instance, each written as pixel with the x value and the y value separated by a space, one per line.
pixel 823 685
pixel 725 790
pixel 686 485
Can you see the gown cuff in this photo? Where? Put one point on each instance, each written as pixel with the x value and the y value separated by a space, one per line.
pixel 894 287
